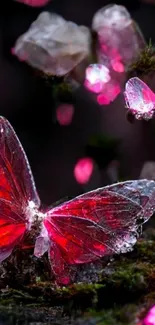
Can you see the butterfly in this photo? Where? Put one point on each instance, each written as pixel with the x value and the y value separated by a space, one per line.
pixel 102 222
pixel 139 98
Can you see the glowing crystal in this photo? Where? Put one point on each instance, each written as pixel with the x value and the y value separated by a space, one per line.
pixel 96 76
pixel 139 98
pixel 119 38
pixel 111 15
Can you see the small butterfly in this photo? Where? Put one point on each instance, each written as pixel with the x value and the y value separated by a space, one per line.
pixel 139 98
pixel 102 222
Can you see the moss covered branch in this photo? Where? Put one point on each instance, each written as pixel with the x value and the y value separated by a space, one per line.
pixel 126 289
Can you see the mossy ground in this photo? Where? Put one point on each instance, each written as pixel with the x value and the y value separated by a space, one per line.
pixel 122 297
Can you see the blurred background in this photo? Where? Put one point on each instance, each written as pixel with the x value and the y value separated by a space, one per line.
pixel 27 102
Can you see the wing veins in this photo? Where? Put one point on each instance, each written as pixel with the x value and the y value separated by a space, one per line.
pixel 84 233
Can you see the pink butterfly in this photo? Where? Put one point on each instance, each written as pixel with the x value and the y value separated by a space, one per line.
pixel 98 223
pixel 34 3
pixel 140 99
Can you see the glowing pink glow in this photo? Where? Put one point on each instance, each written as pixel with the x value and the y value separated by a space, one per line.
pixel 110 91
pixel 64 114
pixel 150 317
pixel 139 98
pixel 96 76
pixel 117 66
pixel 83 170
pixel 114 56
pixel 34 3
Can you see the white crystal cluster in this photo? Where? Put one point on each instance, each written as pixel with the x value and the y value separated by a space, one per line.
pixel 53 45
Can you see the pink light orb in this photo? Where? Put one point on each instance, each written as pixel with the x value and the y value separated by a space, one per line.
pixel 110 92
pixel 96 76
pixel 83 170
pixel 34 3
pixel 150 317
pixel 117 66
pixel 64 114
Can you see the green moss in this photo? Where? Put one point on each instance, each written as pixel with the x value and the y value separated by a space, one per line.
pixel 126 289
pixel 116 315
pixel 144 64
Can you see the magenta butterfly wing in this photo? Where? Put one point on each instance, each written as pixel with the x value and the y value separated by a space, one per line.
pixel 17 189
pixel 102 222
pixel 139 98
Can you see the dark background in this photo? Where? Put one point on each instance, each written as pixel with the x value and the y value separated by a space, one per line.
pixel 27 102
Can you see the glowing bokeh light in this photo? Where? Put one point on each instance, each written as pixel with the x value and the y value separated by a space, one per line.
pixel 110 92
pixel 64 114
pixel 96 76
pixel 150 317
pixel 34 3
pixel 117 66
pixel 83 170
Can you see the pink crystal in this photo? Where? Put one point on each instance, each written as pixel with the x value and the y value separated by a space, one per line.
pixel 34 3
pixel 64 114
pixel 150 317
pixel 83 170
pixel 96 76
pixel 119 38
pixel 139 98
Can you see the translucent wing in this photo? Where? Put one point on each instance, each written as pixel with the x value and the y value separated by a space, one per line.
pixel 98 223
pixel 139 98
pixel 17 189
pixel 141 192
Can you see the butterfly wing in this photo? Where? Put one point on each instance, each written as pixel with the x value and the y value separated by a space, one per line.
pixel 17 189
pixel 138 96
pixel 141 192
pixel 95 224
